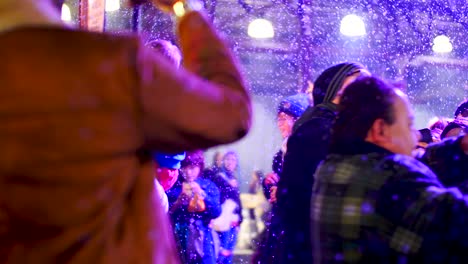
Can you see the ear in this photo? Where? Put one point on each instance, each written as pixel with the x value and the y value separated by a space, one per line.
pixel 378 132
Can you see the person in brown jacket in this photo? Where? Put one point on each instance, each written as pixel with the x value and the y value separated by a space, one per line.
pixel 79 113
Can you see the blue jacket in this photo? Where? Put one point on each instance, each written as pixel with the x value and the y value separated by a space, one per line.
pixel 183 221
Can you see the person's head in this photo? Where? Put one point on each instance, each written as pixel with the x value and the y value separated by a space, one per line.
pixel 426 136
pixel 437 126
pixel 167 49
pixel 462 110
pixel 168 167
pixel 193 165
pixel 330 84
pixel 230 161
pixel 218 159
pixel 455 128
pixel 425 139
pixel 372 110
pixel 289 110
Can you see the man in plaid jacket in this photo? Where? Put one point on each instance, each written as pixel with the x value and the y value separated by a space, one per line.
pixel 373 202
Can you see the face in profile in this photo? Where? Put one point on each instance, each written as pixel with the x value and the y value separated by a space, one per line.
pixel 402 136
pixel 285 124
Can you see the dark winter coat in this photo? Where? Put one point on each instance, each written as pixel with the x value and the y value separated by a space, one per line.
pixel 183 220
pixel 271 239
pixel 277 167
pixel 372 206
pixel 307 147
pixel 227 191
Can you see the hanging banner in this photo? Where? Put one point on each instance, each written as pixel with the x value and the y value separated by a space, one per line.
pixel 92 14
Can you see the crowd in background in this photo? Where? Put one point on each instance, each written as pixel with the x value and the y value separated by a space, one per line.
pixel 104 162
pixel 263 226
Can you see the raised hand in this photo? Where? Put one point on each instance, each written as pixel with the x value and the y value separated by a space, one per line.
pixel 187 189
pixel 273 190
pixel 233 183
pixel 271 179
pixel 196 189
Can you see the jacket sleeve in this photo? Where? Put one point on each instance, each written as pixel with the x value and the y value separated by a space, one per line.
pixel 176 210
pixel 448 161
pixel 425 215
pixel 213 206
pixel 277 167
pixel 206 103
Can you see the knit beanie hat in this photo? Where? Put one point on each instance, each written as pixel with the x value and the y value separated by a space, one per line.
pixel 294 105
pixel 171 161
pixel 327 85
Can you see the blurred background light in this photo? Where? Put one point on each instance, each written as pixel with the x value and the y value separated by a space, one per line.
pixel 261 29
pixel 112 5
pixel 66 13
pixel 352 26
pixel 442 44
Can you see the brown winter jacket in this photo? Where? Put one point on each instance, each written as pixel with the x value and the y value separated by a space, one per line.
pixel 76 108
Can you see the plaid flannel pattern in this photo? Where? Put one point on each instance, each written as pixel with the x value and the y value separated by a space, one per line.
pixel 379 207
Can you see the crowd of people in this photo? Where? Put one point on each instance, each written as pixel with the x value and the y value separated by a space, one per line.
pixel 103 160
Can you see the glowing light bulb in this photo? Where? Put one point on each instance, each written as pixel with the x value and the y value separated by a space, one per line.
pixel 352 26
pixel 261 29
pixel 112 5
pixel 179 9
pixel 442 44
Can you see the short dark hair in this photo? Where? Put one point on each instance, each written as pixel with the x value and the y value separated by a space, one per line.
pixel 194 158
pixel 364 101
pixel 462 109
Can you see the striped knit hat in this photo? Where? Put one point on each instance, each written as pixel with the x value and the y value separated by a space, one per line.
pixel 330 81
